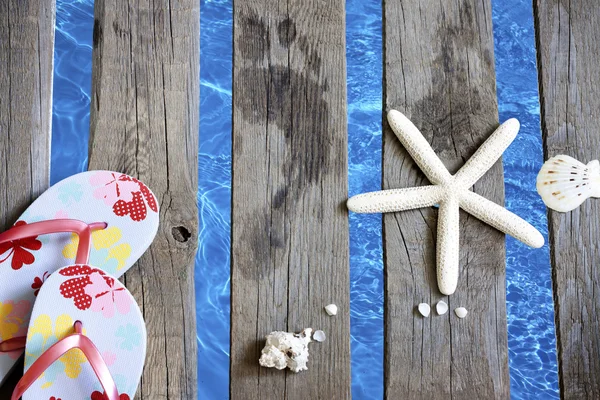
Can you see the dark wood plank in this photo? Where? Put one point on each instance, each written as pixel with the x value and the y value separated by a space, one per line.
pixel 289 222
pixel 26 60
pixel 439 71
pixel 144 122
pixel 568 57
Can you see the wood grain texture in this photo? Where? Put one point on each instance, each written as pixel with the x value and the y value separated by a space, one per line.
pixel 144 122
pixel 26 62
pixel 289 221
pixel 568 58
pixel 439 71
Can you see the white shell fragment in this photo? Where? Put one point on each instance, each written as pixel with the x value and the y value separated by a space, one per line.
pixel 461 312
pixel 284 349
pixel 564 183
pixel 331 309
pixel 424 309
pixel 441 307
pixel 319 336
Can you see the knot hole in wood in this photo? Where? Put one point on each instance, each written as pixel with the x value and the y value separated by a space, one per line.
pixel 181 234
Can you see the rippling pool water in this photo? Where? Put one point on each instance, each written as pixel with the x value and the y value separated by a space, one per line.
pixel 530 309
pixel 529 299
pixel 72 87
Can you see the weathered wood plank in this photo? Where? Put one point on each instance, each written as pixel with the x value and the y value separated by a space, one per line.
pixel 439 71
pixel 568 57
pixel 144 122
pixel 289 223
pixel 26 61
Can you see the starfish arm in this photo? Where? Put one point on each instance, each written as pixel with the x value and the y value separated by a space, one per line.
pixel 500 218
pixel 418 148
pixel 447 245
pixel 395 199
pixel 489 152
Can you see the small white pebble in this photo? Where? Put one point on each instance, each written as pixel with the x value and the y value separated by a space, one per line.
pixel 461 312
pixel 331 309
pixel 424 309
pixel 441 307
pixel 319 336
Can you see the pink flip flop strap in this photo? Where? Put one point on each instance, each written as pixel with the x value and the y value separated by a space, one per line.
pixel 76 340
pixel 83 230
pixel 14 344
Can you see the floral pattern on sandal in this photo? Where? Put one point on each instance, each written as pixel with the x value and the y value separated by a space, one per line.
pixel 38 282
pixel 74 288
pixel 41 336
pixel 108 254
pixel 12 322
pixel 102 396
pixel 107 295
pixel 20 250
pixel 126 195
pixel 91 289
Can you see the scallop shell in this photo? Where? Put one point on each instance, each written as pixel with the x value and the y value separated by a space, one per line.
pixel 564 183
pixel 441 307
pixel 424 309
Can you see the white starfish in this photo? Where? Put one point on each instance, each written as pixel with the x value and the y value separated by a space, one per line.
pixel 451 192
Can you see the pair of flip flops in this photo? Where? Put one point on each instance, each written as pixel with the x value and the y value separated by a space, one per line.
pixel 61 303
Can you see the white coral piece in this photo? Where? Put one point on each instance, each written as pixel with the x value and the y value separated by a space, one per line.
pixel 285 349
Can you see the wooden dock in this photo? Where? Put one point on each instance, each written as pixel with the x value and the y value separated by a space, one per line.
pixel 290 173
pixel 144 122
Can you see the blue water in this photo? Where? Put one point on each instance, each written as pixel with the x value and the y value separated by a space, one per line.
pixel 532 353
pixel 364 53
pixel 530 312
pixel 214 199
pixel 72 87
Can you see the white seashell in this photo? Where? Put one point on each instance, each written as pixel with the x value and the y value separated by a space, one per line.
pixel 564 183
pixel 284 349
pixel 319 336
pixel 424 309
pixel 331 309
pixel 461 312
pixel 441 307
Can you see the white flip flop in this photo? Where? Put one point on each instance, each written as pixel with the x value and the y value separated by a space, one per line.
pixel 120 210
pixel 94 352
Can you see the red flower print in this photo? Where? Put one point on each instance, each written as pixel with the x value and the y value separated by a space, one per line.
pixel 75 288
pixel 102 396
pixel 148 196
pixel 126 195
pixel 136 208
pixel 18 250
pixel 38 282
pixel 55 398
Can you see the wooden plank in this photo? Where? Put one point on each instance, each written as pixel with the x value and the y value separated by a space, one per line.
pixel 439 71
pixel 289 222
pixel 568 55
pixel 144 122
pixel 26 61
